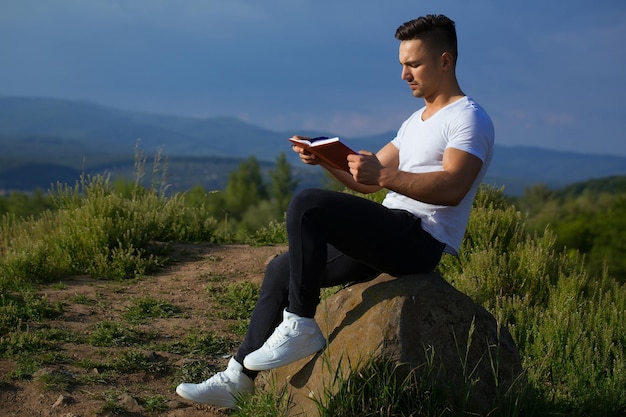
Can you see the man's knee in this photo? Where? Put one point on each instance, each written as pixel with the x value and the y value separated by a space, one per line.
pixel 277 273
pixel 278 265
pixel 308 199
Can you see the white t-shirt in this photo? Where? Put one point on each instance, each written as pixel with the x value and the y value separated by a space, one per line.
pixel 462 125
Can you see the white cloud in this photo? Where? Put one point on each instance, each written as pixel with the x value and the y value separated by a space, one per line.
pixel 560 119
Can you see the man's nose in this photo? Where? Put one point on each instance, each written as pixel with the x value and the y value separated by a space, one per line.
pixel 405 74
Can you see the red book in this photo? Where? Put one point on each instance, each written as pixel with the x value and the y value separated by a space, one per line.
pixel 331 151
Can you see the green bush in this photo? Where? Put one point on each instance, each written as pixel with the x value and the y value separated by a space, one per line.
pixel 570 327
pixel 99 232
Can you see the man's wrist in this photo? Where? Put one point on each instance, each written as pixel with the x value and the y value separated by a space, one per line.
pixel 386 177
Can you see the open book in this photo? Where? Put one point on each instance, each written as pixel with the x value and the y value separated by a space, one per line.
pixel 331 151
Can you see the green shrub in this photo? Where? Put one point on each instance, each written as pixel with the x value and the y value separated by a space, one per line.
pixel 273 234
pixel 98 232
pixel 569 326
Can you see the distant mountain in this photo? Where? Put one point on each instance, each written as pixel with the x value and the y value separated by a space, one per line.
pixel 36 133
pixel 94 125
pixel 518 167
pixel 37 176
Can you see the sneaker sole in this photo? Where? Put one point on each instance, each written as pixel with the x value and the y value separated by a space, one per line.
pixel 218 402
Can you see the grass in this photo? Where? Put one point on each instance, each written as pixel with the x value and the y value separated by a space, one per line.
pixel 83 299
pixel 382 386
pixel 570 327
pixel 379 388
pixel 270 401
pixel 134 360
pixel 201 343
pixel 55 381
pixel 154 403
pixel 99 232
pixel 113 334
pixel 146 308
pixel 111 402
pixel 25 306
pixel 236 301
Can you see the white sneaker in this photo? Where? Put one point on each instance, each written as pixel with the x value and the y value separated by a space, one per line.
pixel 295 338
pixel 221 388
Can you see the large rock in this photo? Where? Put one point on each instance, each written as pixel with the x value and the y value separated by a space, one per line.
pixel 406 319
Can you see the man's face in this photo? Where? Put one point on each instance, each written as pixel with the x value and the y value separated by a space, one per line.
pixel 420 69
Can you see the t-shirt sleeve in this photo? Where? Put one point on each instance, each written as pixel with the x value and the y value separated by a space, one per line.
pixel 472 132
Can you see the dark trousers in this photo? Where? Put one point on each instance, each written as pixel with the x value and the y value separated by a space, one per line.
pixel 335 238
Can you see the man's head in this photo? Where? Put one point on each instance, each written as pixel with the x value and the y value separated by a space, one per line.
pixel 428 52
pixel 437 32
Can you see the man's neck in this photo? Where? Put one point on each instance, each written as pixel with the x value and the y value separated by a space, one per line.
pixel 439 102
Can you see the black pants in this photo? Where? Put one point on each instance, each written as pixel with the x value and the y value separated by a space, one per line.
pixel 335 238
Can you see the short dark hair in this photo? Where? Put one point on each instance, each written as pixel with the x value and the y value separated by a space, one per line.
pixel 438 32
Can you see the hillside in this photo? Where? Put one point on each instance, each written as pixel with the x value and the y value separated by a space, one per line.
pixel 46 140
pixel 595 187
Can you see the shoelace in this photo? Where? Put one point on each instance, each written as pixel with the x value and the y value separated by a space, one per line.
pixel 218 378
pixel 281 333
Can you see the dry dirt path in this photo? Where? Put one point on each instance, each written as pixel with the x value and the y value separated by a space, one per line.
pixel 183 284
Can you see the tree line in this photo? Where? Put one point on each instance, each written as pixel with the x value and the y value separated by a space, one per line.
pixel 587 217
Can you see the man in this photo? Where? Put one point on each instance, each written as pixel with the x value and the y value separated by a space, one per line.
pixel 432 169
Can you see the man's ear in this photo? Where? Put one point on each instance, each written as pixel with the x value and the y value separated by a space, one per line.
pixel 447 62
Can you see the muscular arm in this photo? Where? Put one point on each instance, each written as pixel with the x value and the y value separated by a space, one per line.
pixel 387 156
pixel 369 173
pixel 447 187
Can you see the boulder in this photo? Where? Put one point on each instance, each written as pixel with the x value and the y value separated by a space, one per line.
pixel 413 320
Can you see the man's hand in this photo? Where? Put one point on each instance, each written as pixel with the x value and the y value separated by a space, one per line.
pixel 305 156
pixel 365 168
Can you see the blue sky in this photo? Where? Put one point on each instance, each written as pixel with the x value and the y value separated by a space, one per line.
pixel 550 73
